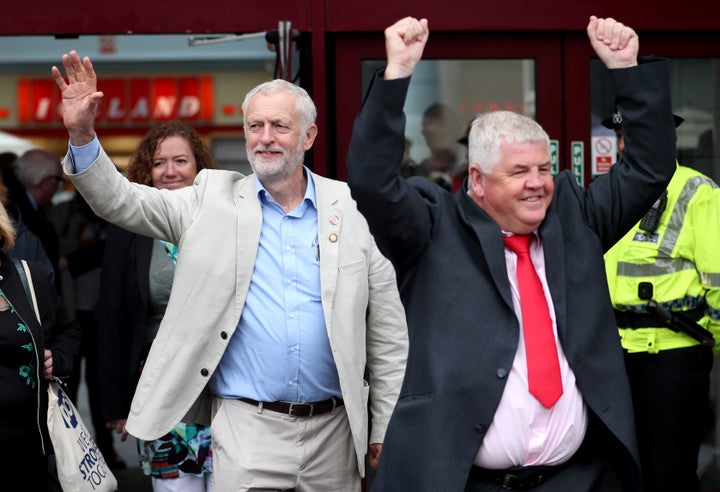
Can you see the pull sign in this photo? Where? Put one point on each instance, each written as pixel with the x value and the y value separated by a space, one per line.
pixel 578 158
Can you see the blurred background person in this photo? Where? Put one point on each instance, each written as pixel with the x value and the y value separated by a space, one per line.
pixel 30 353
pixel 27 244
pixel 136 280
pixel 440 128
pixel 442 165
pixel 39 173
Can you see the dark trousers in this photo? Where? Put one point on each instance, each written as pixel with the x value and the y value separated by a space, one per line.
pixel 103 435
pixel 670 392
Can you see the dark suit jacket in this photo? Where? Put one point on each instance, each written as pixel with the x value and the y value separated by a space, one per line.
pixel 122 314
pixel 449 257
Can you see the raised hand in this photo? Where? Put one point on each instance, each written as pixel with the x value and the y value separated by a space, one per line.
pixel 80 97
pixel 615 43
pixel 404 44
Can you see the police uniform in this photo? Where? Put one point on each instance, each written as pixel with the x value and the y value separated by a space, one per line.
pixel 670 259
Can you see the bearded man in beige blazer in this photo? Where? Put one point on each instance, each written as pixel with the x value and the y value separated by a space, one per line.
pixel 281 301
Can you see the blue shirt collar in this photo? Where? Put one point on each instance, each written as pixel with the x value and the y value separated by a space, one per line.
pixel 310 198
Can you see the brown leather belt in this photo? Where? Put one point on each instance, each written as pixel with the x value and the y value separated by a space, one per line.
pixel 297 409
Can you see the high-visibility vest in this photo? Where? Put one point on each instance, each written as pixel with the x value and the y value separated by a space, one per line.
pixel 681 259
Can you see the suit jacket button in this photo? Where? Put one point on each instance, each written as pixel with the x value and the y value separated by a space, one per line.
pixel 501 373
pixel 204 371
pixel 223 335
pixel 480 428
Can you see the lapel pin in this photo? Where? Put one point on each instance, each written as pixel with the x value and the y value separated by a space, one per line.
pixel 334 219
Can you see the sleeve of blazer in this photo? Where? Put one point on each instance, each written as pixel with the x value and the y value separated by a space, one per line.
pixel 387 343
pixel 161 214
pixel 392 208
pixel 615 201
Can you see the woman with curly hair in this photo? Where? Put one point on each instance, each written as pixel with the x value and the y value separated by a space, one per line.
pixel 136 281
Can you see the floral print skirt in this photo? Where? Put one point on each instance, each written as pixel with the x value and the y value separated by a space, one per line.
pixel 185 450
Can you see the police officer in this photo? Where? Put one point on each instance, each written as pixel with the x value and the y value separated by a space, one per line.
pixel 670 260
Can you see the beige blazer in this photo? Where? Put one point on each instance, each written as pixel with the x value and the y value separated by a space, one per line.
pixel 216 225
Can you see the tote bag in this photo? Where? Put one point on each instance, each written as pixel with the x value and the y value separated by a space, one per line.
pixel 80 465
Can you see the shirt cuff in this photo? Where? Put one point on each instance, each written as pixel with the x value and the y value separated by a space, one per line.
pixel 84 155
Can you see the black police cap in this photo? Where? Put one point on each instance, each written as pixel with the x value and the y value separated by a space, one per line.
pixel 615 121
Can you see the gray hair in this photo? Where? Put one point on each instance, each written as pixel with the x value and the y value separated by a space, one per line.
pixel 35 165
pixel 489 130
pixel 304 104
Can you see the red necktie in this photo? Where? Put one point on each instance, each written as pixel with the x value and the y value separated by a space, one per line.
pixel 543 367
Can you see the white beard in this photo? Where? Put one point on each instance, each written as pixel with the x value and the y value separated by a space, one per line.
pixel 279 166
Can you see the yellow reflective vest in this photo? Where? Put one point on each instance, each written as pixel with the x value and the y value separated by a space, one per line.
pixel 681 259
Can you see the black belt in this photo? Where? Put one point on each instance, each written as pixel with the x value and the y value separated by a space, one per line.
pixel 516 478
pixel 630 319
pixel 297 409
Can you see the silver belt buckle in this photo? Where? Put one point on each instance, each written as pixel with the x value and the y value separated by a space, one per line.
pixel 290 410
pixel 507 481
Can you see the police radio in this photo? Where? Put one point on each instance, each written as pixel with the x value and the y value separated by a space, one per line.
pixel 651 219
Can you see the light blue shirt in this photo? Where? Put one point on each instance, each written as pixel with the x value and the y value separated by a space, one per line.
pixel 280 350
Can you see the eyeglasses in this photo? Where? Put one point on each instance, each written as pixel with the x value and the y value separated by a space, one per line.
pixel 59 179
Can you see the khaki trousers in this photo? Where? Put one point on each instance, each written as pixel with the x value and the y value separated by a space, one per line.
pixel 269 451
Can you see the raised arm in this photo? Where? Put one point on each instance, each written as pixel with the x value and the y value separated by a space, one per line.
pixel 397 214
pixel 80 97
pixel 642 94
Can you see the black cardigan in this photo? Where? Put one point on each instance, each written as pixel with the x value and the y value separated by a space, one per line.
pixel 59 331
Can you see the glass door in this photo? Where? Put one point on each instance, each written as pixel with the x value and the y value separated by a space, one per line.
pixel 460 75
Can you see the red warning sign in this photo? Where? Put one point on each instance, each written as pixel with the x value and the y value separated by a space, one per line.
pixel 603 154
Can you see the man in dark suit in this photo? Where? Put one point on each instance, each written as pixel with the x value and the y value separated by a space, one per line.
pixel 466 419
pixel 39 175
